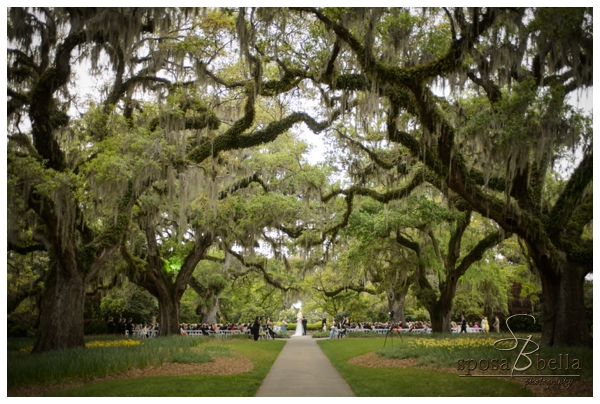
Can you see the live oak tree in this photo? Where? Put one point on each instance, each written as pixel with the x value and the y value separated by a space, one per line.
pixel 386 264
pixel 438 244
pixel 136 47
pixel 494 142
pixel 492 139
pixel 437 293
pixel 47 159
pixel 208 282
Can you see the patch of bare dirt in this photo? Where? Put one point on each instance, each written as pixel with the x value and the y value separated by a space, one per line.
pixel 579 388
pixel 220 366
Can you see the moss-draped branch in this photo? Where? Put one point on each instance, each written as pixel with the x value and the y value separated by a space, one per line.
pixel 383 197
pixel 570 197
pixel 355 288
pixel 254 265
pixel 234 138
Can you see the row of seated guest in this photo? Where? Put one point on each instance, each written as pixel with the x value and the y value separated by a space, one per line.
pixel 147 326
pixel 214 327
pixel 456 326
pixel 384 326
pixel 144 330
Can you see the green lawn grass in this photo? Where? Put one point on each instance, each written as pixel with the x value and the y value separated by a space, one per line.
pixel 262 354
pixel 23 368
pixel 446 350
pixel 412 382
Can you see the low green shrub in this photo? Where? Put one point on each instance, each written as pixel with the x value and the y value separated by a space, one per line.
pixel 94 327
pixel 310 327
pixel 321 334
pixel 318 326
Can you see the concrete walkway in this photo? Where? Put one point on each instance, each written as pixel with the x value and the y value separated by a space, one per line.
pixel 303 370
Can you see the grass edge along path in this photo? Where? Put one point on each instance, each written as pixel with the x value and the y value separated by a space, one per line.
pixel 402 382
pixel 262 355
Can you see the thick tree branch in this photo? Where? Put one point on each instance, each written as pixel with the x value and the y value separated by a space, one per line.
pixel 355 288
pixel 201 244
pixel 571 196
pixel 385 197
pixel 492 90
pixel 23 250
pixel 15 299
pixel 243 183
pixel 378 160
pixel 261 268
pixel 233 138
pixel 456 240
pixel 477 252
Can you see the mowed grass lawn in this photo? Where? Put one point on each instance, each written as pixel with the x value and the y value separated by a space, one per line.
pixel 408 382
pixel 111 355
pixel 262 354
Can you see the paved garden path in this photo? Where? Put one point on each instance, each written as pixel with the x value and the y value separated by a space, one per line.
pixel 303 370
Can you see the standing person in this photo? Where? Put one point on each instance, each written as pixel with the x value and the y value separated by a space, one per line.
pixel 298 332
pixel 110 325
pixel 130 326
pixel 256 328
pixel 332 328
pixel 497 324
pixel 304 322
pixel 486 328
pixel 324 323
pixel 283 325
pixel 463 324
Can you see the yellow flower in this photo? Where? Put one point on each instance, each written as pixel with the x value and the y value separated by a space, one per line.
pixel 104 344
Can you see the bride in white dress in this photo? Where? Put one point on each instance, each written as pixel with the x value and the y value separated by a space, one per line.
pixel 298 332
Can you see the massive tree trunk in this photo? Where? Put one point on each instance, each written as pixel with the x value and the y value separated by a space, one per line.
pixel 167 287
pixel 61 314
pixel 396 297
pixel 210 316
pixel 440 320
pixel 563 320
pixel 440 311
pixel 396 305
pixel 168 309
pixel 207 308
pixel 71 269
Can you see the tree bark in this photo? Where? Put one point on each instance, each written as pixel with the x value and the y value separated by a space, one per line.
pixel 440 313
pixel 168 309
pixel 61 314
pixel 166 288
pixel 210 316
pixel 563 319
pixel 396 305
pixel 396 295
pixel 71 269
